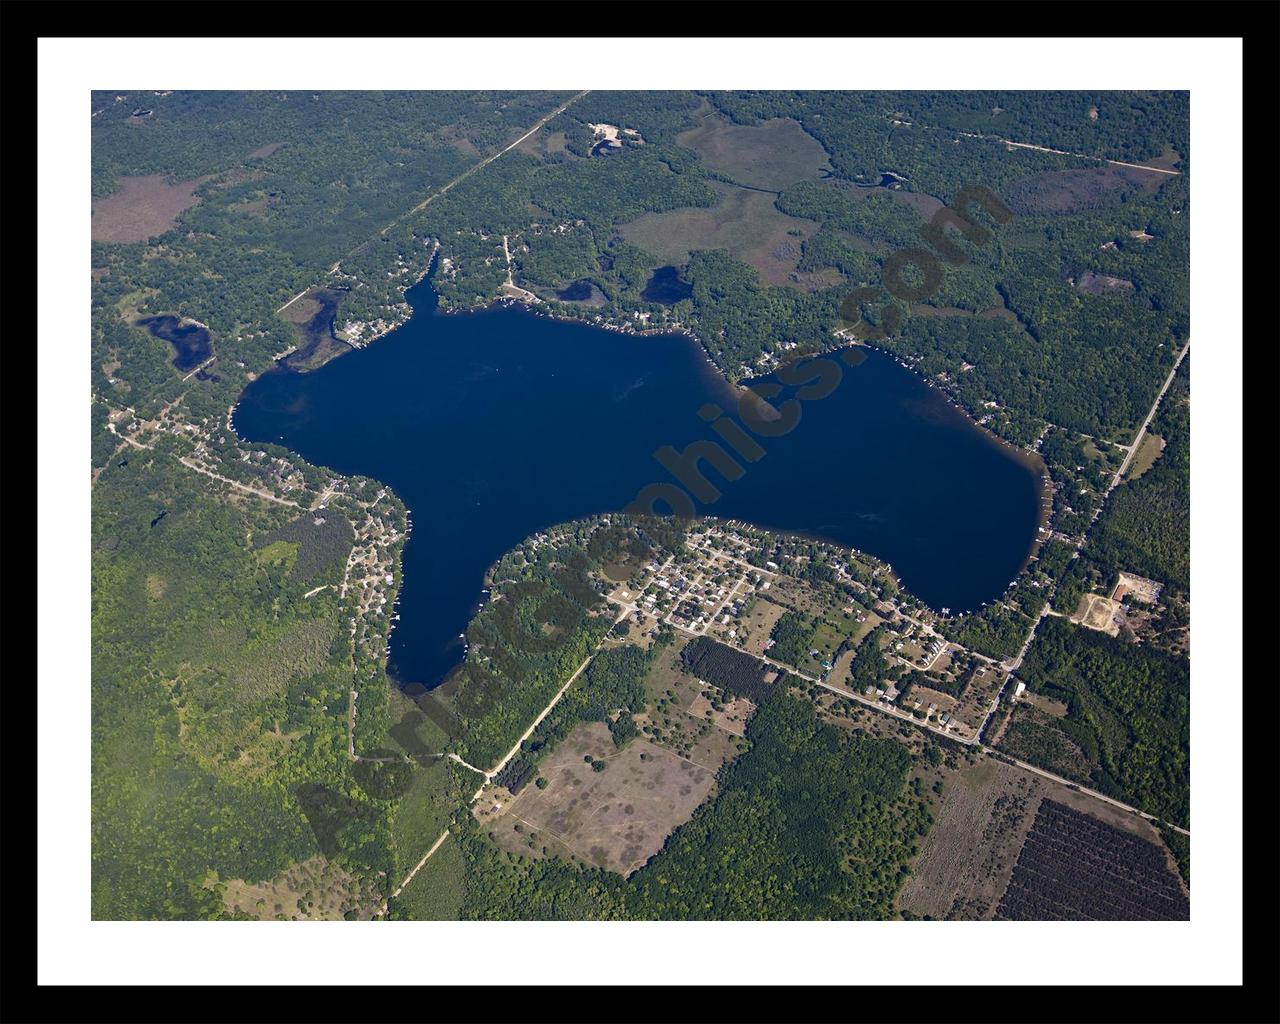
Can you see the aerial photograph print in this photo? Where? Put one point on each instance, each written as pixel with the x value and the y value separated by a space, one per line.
pixel 640 505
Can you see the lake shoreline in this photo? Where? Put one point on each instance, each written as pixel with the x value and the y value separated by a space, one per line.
pixel 821 483
pixel 1028 459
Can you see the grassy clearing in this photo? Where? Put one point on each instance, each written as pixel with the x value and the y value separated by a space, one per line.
pixel 772 154
pixel 745 223
pixel 1144 458
pixel 758 620
pixel 314 890
pixel 1071 191
pixel 545 143
pixel 279 553
pixel 664 674
pixel 965 861
pixel 321 543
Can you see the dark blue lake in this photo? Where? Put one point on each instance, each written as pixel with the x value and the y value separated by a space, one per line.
pixel 191 344
pixel 493 425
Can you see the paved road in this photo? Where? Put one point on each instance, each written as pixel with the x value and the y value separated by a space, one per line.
pixel 485 162
pixel 627 609
pixel 126 439
pixel 1063 152
pixel 1075 785
pixel 199 368
pixel 974 741
pixel 1137 440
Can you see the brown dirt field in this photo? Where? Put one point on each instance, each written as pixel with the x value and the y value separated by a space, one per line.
pixel 301 311
pixel 986 810
pixel 1048 705
pixel 1140 587
pixel 617 818
pixel 665 673
pixel 981 820
pixel 713 749
pixel 733 717
pixel 1097 612
pixel 264 151
pixel 687 732
pixel 1097 284
pixel 141 208
pixel 843 668
pixel 638 632
pixel 923 203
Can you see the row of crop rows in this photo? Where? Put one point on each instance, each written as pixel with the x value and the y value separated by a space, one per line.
pixel 1075 867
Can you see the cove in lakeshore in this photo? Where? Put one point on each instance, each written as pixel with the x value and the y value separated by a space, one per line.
pixel 493 425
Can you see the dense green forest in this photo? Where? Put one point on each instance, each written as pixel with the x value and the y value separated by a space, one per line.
pixel 1146 526
pixel 1132 126
pixel 791 638
pixel 1127 726
pixel 217 692
pixel 1180 846
pixel 870 667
